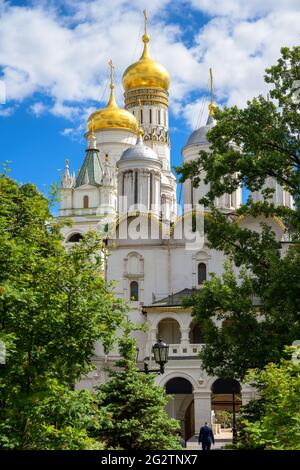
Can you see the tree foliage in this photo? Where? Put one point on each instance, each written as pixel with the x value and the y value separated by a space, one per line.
pixel 273 421
pixel 54 305
pixel 132 407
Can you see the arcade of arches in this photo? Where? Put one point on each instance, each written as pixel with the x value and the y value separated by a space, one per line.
pixel 169 330
pixel 193 407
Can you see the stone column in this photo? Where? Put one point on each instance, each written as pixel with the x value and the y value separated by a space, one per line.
pixel 184 337
pixel 202 404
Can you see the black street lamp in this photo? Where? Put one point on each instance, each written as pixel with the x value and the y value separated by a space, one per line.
pixel 161 353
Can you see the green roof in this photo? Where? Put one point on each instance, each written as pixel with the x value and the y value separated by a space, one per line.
pixel 91 170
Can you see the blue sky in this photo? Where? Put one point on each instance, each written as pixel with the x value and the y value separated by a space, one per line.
pixel 53 67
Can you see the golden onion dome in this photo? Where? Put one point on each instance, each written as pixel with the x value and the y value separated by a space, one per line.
pixel 146 73
pixel 112 116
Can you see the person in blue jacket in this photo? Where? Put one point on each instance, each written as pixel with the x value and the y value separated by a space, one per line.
pixel 206 437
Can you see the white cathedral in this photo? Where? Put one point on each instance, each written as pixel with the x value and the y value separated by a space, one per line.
pixel 126 175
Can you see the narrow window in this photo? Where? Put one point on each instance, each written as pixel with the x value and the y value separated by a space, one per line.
pixel 150 116
pixel 165 114
pixel 201 273
pixel 85 202
pixel 151 190
pixel 141 116
pixel 134 291
pixel 159 116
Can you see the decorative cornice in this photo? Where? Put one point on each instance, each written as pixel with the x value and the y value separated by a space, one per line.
pixel 146 97
pixel 176 309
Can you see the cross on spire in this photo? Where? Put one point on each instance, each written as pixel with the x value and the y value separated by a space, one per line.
pixel 146 21
pixel 112 72
pixel 211 105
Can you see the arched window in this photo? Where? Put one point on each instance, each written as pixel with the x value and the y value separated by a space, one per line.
pixel 201 273
pixel 76 237
pixel 85 202
pixel 134 291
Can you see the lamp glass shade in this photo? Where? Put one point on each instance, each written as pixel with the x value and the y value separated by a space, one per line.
pixel 160 352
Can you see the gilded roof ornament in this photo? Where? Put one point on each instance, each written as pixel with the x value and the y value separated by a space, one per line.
pixel 146 72
pixel 211 105
pixel 112 116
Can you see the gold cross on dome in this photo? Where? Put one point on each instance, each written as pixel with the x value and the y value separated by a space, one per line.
pixel 112 71
pixel 211 105
pixel 146 20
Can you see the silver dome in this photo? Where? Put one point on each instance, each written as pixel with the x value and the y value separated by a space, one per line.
pixel 139 151
pixel 198 137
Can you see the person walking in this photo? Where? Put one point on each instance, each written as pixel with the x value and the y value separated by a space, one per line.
pixel 206 437
pixel 181 440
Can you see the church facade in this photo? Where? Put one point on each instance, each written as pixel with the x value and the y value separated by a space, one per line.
pixel 126 182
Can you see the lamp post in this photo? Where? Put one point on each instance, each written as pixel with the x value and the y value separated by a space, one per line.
pixel 161 353
pixel 234 430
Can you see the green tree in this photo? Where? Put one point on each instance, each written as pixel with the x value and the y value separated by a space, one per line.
pixel 273 422
pixel 132 407
pixel 54 305
pixel 257 299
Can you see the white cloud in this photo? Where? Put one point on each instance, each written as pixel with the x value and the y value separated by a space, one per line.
pixel 64 56
pixel 244 8
pixel 239 51
pixel 38 108
pixel 6 112
pixel 196 113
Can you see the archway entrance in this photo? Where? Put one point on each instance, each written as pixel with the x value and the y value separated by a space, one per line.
pixel 181 406
pixel 226 400
pixel 189 421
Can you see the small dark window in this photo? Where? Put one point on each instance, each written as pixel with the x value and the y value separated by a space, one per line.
pixel 150 116
pixel 196 336
pixel 134 291
pixel 141 116
pixel 85 202
pixel 201 273
pixel 159 116
pixel 76 237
